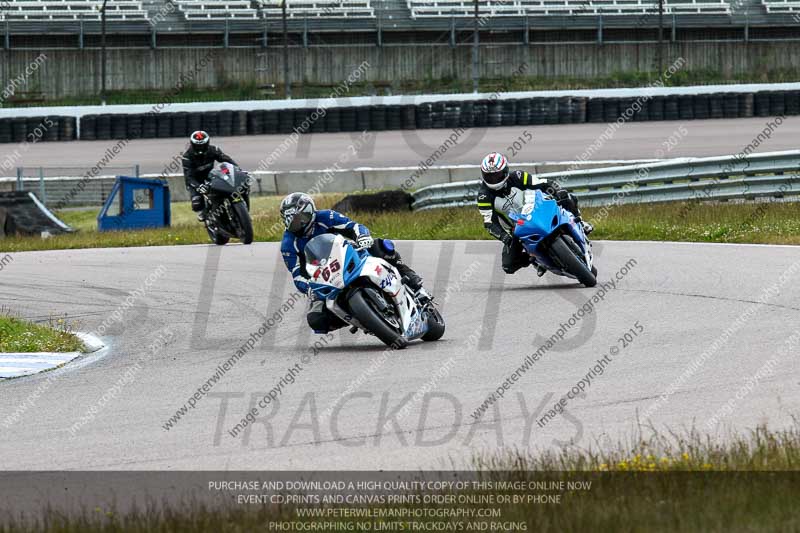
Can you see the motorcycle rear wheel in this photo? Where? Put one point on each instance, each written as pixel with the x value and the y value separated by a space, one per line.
pixel 569 260
pixel 370 318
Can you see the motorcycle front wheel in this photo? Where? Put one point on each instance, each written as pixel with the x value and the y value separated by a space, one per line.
pixel 367 314
pixel 245 233
pixel 217 238
pixel 435 325
pixel 568 258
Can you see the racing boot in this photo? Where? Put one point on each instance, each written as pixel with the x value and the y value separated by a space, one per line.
pixel 410 278
pixel 386 249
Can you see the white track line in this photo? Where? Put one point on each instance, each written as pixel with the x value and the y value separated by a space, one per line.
pixel 14 365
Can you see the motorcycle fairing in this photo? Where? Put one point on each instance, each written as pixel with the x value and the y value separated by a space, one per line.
pixel 541 217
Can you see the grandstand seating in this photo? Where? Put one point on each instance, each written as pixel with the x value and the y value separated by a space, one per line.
pixel 44 10
pixel 217 9
pixel 244 9
pixel 782 6
pixel 517 8
pixel 322 8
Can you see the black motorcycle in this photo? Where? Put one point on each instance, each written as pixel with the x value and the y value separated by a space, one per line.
pixel 228 205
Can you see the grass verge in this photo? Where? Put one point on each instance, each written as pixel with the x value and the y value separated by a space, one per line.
pixel 20 336
pixel 759 222
pixel 665 483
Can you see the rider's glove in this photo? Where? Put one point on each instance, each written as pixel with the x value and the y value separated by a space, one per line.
pixel 202 188
pixel 507 239
pixel 365 241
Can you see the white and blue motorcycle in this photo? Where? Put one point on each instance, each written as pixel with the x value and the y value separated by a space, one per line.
pixel 367 293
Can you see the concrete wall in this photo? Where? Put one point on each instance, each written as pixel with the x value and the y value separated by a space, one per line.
pixel 72 72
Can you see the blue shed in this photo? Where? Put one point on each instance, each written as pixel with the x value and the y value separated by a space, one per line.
pixel 136 203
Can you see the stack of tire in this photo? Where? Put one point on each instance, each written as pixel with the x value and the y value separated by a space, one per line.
pixel 37 129
pixel 444 114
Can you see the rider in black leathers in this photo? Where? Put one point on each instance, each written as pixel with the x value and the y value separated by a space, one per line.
pixel 198 161
pixel 501 192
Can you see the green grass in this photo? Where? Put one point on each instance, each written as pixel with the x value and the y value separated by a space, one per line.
pixel 762 223
pixel 765 223
pixel 19 336
pixel 251 91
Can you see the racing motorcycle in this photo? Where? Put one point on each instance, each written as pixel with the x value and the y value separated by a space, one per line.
pixel 368 293
pixel 550 234
pixel 227 210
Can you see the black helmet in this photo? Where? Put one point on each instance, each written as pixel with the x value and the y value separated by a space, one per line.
pixel 297 212
pixel 200 142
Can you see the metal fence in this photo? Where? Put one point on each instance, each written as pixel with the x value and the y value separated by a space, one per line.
pixel 745 177
pixel 66 186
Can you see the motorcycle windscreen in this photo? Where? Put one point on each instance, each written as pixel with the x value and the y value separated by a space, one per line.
pixel 320 248
pixel 221 183
pixel 537 220
pixel 241 180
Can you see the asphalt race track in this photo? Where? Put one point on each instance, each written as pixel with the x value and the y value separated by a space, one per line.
pixel 169 338
pixel 634 140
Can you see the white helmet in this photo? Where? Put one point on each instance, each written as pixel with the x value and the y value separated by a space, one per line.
pixel 494 170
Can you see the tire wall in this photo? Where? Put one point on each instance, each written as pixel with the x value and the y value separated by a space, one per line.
pixel 443 114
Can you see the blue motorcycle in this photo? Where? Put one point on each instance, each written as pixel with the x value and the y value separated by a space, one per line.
pixel 550 235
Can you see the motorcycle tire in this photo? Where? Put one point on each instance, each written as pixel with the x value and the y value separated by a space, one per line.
pixel 567 258
pixel 436 325
pixel 245 223
pixel 363 310
pixel 216 238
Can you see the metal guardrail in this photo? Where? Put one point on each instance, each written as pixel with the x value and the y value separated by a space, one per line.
pixel 774 174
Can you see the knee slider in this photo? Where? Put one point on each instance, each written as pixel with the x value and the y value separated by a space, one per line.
pixel 318 320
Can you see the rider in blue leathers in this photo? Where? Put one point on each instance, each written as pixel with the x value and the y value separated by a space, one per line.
pixel 303 222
